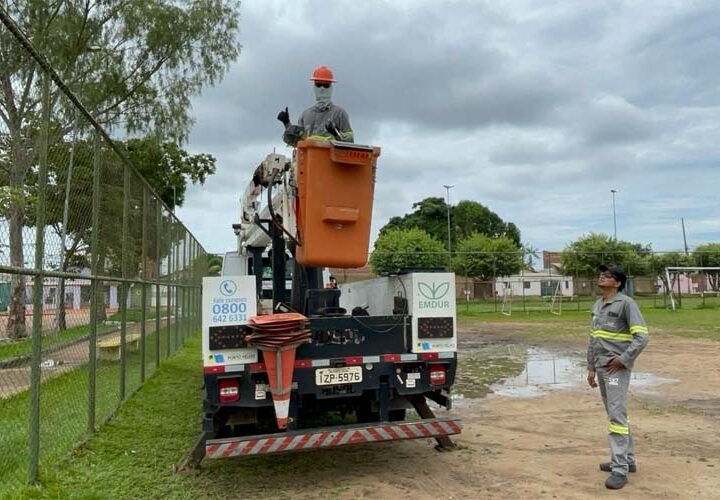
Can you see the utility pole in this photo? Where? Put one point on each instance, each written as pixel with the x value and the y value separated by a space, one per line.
pixel 447 188
pixel 682 221
pixel 613 191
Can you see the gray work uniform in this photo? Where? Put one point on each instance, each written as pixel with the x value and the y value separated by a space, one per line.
pixel 618 330
pixel 314 120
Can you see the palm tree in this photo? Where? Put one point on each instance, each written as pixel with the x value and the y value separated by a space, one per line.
pixel 530 253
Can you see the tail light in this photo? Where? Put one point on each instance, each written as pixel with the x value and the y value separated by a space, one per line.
pixel 437 374
pixel 229 390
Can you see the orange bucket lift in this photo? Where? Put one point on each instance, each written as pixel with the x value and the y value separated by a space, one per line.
pixel 334 222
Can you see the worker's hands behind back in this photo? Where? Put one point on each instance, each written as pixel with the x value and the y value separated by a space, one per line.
pixel 284 116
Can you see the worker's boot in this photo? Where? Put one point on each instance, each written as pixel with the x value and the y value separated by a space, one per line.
pixel 607 467
pixel 616 481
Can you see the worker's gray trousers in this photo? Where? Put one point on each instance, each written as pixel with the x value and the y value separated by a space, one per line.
pixel 614 390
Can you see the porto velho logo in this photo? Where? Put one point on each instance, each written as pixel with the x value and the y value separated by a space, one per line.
pixel 435 294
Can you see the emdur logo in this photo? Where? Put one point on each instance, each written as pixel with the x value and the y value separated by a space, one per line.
pixel 434 291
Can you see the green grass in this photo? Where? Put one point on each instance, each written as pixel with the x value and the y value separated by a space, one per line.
pixel 692 323
pixel 23 347
pixel 542 304
pixel 134 454
pixel 64 413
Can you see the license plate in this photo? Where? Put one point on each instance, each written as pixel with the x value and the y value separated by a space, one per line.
pixel 342 375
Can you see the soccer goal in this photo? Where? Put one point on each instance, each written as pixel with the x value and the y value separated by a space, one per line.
pixel 507 300
pixel 557 299
pixel 674 288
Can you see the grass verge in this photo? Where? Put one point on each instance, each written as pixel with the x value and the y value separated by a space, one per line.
pixel 134 454
pixel 23 347
pixel 64 414
pixel 690 323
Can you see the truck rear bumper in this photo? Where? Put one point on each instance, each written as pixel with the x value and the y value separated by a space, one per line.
pixel 330 437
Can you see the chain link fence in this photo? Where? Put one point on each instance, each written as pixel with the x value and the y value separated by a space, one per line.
pixel 99 281
pixel 553 281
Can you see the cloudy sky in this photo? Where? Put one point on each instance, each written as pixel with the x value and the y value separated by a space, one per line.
pixel 536 109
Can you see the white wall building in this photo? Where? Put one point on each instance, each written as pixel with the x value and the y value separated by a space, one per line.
pixel 543 283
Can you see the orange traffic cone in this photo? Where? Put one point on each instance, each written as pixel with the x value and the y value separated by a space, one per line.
pixel 280 364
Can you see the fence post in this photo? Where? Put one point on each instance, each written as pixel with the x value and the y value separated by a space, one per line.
pixel 176 277
pixel 143 276
pixel 158 241
pixel 38 285
pixel 493 283
pixel 167 281
pixel 183 333
pixel 125 286
pixel 94 288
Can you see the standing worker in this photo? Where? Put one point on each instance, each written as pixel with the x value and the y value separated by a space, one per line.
pixel 324 121
pixel 618 336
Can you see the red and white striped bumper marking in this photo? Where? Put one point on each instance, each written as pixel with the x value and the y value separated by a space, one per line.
pixel 277 443
pixel 349 361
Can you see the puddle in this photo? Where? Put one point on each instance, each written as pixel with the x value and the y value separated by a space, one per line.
pixel 543 370
pixel 517 371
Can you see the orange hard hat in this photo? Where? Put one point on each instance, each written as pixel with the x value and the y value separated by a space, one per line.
pixel 323 74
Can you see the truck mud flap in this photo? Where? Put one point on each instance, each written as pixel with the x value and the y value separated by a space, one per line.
pixel 330 437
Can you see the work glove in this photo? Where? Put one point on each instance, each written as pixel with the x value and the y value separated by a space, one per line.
pixel 332 129
pixel 284 117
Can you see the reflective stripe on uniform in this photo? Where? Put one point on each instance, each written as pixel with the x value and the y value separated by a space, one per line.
pixel 605 334
pixel 638 329
pixel 618 429
pixel 323 137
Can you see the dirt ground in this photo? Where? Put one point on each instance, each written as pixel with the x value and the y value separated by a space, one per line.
pixel 550 446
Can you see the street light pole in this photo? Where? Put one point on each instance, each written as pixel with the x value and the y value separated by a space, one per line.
pixel 613 191
pixel 447 188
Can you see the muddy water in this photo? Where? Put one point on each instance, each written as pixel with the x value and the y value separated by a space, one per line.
pixel 519 371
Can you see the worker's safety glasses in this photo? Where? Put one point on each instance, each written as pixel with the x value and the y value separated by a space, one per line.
pixel 324 85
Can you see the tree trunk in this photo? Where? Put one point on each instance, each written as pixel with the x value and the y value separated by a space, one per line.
pixel 61 324
pixel 714 279
pixel 16 311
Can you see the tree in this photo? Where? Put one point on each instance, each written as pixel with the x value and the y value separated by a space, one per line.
pixel 484 257
pixel 466 218
pixel 530 253
pixel 214 264
pixel 149 58
pixel 583 256
pixel 407 248
pixel 167 168
pixel 430 215
pixel 471 217
pixel 708 255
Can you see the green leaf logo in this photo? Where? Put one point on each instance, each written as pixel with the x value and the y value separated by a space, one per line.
pixel 434 291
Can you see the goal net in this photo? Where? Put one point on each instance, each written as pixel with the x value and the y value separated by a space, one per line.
pixel 557 299
pixel 687 282
pixel 507 300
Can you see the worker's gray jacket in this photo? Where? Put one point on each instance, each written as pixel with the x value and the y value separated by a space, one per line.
pixel 618 330
pixel 314 120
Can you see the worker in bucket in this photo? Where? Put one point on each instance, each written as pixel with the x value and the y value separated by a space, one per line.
pixel 618 336
pixel 323 121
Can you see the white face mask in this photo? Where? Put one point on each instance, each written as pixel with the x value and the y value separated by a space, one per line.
pixel 323 95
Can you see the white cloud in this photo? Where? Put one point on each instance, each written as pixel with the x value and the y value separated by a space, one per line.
pixel 535 109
